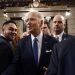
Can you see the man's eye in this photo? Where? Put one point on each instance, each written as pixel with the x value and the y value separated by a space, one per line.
pixel 44 27
pixel 54 22
pixel 26 20
pixel 12 29
pixel 59 21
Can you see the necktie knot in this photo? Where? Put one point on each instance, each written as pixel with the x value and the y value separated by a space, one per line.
pixel 57 37
pixel 35 39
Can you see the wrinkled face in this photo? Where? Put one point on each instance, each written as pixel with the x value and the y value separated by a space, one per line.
pixel 10 31
pixel 33 23
pixel 58 24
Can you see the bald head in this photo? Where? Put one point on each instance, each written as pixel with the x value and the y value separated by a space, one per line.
pixel 59 18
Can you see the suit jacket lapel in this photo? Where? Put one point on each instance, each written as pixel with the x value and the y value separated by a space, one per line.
pixel 64 36
pixel 29 48
pixel 43 48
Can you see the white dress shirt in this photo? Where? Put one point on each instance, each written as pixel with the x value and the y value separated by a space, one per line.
pixel 39 38
pixel 59 36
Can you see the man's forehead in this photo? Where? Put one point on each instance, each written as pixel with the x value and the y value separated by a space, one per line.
pixel 34 14
pixel 31 16
pixel 59 18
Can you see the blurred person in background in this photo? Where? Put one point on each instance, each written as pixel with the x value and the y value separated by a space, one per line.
pixel 17 37
pixel 26 33
pixel 46 28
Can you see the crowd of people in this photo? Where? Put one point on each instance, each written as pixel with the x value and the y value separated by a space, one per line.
pixel 44 49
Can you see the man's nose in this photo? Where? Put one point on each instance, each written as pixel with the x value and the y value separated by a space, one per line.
pixel 28 21
pixel 56 23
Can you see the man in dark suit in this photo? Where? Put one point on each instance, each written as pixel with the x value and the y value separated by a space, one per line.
pixel 6 53
pixel 63 59
pixel 57 28
pixel 25 62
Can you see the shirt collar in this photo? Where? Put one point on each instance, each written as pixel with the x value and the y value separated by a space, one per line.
pixel 39 37
pixel 60 35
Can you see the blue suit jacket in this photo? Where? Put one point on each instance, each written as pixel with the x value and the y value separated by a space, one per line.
pixel 6 54
pixel 63 59
pixel 66 36
pixel 24 63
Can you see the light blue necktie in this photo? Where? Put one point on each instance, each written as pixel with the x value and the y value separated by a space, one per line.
pixel 35 50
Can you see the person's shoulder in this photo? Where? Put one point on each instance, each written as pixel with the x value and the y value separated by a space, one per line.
pixel 2 39
pixel 51 40
pixel 66 43
pixel 64 47
pixel 26 38
pixel 68 35
pixel 49 37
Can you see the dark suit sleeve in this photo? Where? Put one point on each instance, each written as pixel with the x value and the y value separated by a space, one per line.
pixel 14 68
pixel 52 69
pixel 5 56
